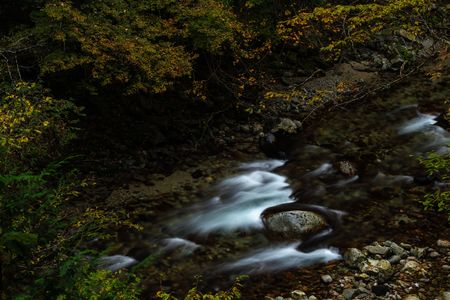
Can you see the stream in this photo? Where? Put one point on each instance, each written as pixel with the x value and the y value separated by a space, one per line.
pixel 224 235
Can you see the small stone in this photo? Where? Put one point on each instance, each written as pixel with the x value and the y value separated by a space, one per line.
pixel 382 268
pixel 363 290
pixel 347 168
pixel 394 259
pixel 326 278
pixel 406 246
pixel 353 257
pixel 313 298
pixel 299 295
pixel 411 265
pixel 411 297
pixel 434 254
pixel 397 250
pixel 446 267
pixel 446 296
pixel 257 128
pixel 418 252
pixel 443 243
pixel 287 125
pixel 377 249
pixel 349 294
pixel 279 298
pixel 380 289
pixel 362 275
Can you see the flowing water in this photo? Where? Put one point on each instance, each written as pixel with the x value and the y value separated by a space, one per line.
pixel 224 235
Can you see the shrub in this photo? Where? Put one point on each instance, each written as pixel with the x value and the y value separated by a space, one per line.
pixel 41 233
pixel 438 166
pixel 335 28
pixel 33 125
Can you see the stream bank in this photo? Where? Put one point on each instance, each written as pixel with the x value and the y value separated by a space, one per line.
pixel 155 197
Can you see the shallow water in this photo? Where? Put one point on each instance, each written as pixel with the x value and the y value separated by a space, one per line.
pixel 223 235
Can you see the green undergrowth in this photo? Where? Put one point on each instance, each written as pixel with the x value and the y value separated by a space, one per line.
pixel 438 166
pixel 233 293
pixel 42 237
pixel 44 223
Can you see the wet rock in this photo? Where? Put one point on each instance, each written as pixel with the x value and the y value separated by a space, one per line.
pixel 326 278
pixel 442 120
pixel 406 246
pixel 349 294
pixel 299 295
pixel 397 250
pixel 434 254
pixel 377 249
pixel 313 298
pixel 353 257
pixel 347 168
pixel 380 289
pixel 418 252
pixel 424 180
pixel 382 269
pixel 411 266
pixel 288 126
pixel 269 146
pixel 443 243
pixel 294 224
pixel 395 259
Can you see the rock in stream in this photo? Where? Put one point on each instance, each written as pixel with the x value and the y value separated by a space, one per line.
pixel 294 224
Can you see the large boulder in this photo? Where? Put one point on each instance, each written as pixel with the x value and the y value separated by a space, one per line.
pixel 293 224
pixel 287 126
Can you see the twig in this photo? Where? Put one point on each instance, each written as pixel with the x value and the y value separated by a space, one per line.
pixel 307 79
pixel 382 87
pixel 365 94
pixel 7 65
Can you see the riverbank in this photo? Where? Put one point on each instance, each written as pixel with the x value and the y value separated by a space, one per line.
pixel 148 184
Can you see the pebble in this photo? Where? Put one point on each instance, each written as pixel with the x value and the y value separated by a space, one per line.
pixel 443 243
pixel 394 259
pixel 377 249
pixel 377 263
pixel 411 297
pixel 326 279
pixel 299 295
pixel 349 293
pixel 446 296
pixel 406 246
pixel 434 254
pixel 397 250
pixel 411 265
pixel 418 252
pixel 381 267
pixel 353 257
